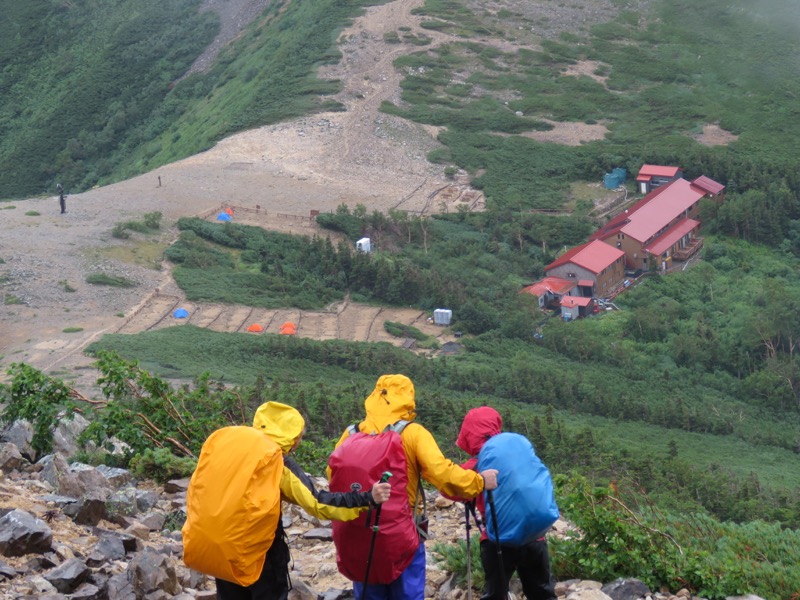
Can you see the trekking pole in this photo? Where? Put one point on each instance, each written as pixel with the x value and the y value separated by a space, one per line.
pixel 501 567
pixel 469 553
pixel 384 479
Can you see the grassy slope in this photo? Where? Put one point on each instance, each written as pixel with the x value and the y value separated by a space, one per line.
pixel 87 89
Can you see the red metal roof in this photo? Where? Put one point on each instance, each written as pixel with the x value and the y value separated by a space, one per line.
pixel 671 236
pixel 573 301
pixel 618 222
pixel 554 285
pixel 586 282
pixel 658 171
pixel 675 198
pixel 593 256
pixel 708 185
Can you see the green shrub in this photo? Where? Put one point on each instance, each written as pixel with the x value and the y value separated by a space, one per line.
pixel 623 535
pixel 112 280
pixel 72 329
pixel 120 231
pixel 391 37
pixel 404 331
pixel 453 558
pixel 32 213
pixel 41 400
pixel 137 226
pixel 153 219
pixel 161 465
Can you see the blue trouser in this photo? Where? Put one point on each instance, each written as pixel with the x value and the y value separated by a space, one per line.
pixel 409 586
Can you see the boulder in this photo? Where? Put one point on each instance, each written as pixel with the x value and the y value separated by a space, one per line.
pixel 116 477
pixel 10 457
pixel 176 486
pixel 109 547
pixel 65 435
pixel 151 572
pixel 90 509
pixel 319 533
pixel 626 589
pixel 20 433
pixel 21 533
pixel 68 576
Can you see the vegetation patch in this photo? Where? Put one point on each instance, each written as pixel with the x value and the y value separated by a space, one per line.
pixel 72 329
pixel 111 280
pixel 400 330
pixel 32 213
pixel 143 252
pixel 150 224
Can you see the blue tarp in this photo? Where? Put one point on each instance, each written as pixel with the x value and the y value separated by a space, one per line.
pixel 223 217
pixel 180 313
pixel 615 179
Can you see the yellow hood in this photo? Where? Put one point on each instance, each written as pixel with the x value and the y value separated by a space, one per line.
pixel 392 400
pixel 279 422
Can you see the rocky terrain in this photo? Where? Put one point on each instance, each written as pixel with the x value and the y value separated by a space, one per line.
pixel 73 531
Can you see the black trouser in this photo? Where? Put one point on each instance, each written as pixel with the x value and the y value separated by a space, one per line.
pixel 273 584
pixel 532 564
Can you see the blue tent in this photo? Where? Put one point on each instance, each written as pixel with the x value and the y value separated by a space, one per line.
pixel 180 313
pixel 223 217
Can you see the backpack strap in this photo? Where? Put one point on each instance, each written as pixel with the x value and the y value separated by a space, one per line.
pixel 397 427
pixel 420 519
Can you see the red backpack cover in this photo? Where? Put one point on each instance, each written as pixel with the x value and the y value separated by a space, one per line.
pixel 357 464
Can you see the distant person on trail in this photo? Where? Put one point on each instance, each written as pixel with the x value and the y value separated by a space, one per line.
pixel 400 548
pixel 285 426
pixel 531 561
pixel 62 201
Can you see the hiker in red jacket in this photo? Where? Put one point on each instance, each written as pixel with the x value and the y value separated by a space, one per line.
pixel 531 562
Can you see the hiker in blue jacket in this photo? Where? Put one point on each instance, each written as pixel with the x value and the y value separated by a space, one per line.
pixel 532 561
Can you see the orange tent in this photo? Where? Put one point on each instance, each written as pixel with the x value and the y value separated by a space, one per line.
pixel 229 211
pixel 288 328
pixel 255 328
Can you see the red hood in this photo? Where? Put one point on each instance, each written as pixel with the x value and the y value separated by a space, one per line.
pixel 479 425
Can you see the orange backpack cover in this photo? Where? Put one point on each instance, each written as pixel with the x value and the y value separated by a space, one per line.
pixel 233 505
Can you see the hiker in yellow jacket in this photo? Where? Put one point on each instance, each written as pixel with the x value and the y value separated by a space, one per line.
pixel 392 401
pixel 285 426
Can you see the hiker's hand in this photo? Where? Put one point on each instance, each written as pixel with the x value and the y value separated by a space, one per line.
pixel 489 479
pixel 380 492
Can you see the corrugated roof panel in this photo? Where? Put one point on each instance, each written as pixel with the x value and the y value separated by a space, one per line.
pixel 659 171
pixel 671 236
pixel 573 301
pixel 708 185
pixel 593 256
pixel 554 285
pixel 675 198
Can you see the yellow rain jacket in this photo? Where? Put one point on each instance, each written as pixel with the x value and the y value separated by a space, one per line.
pixel 285 425
pixel 392 401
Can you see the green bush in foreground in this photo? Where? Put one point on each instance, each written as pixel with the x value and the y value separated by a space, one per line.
pixel 161 465
pixel 621 534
